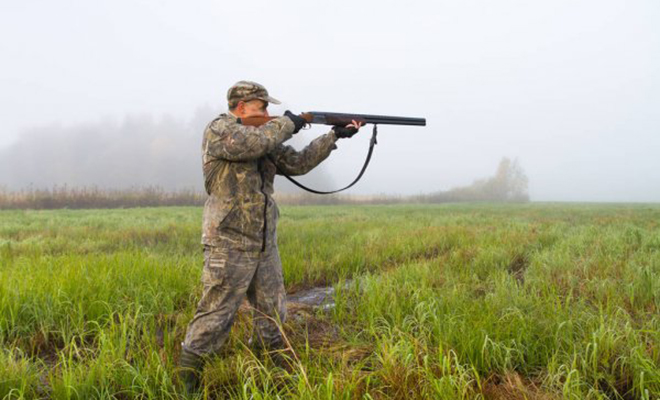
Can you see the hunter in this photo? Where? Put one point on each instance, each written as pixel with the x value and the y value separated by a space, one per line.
pixel 239 229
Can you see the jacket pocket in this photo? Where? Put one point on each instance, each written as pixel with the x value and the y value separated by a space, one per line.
pixel 216 212
pixel 242 228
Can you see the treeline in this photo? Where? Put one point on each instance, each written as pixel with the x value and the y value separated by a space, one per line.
pixel 509 184
pixel 134 152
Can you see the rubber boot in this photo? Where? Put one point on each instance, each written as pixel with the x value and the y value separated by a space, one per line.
pixel 191 367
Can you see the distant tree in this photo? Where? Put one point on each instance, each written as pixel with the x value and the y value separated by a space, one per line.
pixel 510 182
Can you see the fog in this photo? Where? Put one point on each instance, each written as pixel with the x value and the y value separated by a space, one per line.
pixel 135 152
pixel 116 94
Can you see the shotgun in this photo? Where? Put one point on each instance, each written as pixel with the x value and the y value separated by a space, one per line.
pixel 342 119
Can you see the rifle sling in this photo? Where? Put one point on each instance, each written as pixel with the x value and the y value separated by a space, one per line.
pixel 372 143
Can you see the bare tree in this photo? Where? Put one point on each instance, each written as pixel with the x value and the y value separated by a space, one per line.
pixel 510 182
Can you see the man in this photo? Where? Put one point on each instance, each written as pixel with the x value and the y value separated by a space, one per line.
pixel 239 222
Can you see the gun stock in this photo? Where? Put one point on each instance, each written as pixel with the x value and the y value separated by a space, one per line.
pixel 255 121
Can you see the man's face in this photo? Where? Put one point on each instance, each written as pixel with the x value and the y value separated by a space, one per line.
pixel 252 108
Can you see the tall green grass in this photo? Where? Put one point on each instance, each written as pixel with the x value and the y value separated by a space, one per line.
pixel 450 301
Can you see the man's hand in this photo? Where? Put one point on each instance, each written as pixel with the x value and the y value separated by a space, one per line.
pixel 347 131
pixel 298 121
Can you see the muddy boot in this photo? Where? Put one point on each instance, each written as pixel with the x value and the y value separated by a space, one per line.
pixel 190 371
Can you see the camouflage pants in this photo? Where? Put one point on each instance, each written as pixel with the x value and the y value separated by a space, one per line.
pixel 228 276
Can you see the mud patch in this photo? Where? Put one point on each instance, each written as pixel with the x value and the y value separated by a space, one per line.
pixel 301 308
pixel 514 387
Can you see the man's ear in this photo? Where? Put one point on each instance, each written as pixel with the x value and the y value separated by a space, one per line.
pixel 240 106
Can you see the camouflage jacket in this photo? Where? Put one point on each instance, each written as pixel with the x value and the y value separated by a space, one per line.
pixel 239 170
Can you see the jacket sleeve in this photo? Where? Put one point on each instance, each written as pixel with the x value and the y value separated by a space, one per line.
pixel 293 162
pixel 229 140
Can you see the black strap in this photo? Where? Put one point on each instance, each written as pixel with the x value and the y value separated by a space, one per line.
pixel 364 168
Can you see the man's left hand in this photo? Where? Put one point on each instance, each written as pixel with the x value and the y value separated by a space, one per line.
pixel 347 131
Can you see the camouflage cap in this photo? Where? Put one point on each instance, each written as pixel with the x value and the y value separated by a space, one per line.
pixel 246 91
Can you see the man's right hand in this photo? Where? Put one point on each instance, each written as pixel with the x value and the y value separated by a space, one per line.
pixel 297 120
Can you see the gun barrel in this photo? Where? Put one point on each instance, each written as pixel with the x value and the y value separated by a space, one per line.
pixel 332 118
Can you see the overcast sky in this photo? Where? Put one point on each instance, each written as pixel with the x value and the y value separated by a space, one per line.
pixel 571 88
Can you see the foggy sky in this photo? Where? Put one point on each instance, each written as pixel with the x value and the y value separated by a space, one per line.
pixel 570 88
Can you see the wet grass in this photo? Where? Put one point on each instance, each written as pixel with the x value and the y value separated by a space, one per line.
pixel 536 301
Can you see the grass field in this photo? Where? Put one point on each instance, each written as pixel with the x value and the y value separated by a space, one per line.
pixel 536 301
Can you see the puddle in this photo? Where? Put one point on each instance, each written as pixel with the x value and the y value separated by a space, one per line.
pixel 322 297
pixel 318 297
